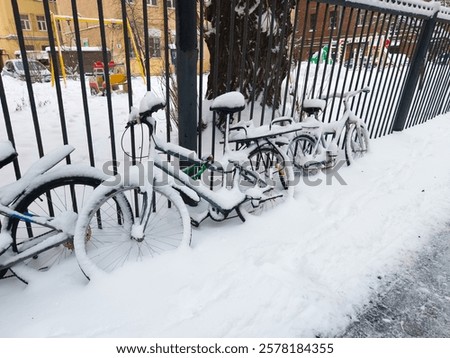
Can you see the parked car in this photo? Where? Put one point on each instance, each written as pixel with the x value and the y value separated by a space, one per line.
pixel 38 72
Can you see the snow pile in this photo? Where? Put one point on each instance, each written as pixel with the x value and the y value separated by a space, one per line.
pixel 301 269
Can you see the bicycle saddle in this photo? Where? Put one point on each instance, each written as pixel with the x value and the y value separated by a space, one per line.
pixel 150 103
pixel 7 153
pixel 229 103
pixel 311 105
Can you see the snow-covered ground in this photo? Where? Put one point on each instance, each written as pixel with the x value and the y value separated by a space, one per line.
pixel 302 269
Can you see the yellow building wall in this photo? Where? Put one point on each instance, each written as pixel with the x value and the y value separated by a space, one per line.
pixel 34 38
pixel 90 33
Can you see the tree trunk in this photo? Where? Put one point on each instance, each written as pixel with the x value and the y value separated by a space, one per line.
pixel 257 60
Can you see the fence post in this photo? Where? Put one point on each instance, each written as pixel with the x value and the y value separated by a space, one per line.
pixel 417 66
pixel 186 69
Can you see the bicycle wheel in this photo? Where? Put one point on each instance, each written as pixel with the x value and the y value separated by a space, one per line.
pixel 356 143
pixel 269 164
pixel 57 198
pixel 300 148
pixel 107 238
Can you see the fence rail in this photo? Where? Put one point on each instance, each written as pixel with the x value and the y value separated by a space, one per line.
pixel 277 53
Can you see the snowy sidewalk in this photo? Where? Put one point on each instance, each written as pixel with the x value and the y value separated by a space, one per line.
pixel 413 303
pixel 306 268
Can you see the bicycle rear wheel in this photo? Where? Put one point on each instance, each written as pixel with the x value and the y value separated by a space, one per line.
pixel 274 171
pixel 58 198
pixel 356 142
pixel 107 238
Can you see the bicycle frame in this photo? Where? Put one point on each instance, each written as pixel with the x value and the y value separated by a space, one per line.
pixel 324 152
pixel 220 206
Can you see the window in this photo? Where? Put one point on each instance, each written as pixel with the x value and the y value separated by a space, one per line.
pixel 152 2
pixel 25 22
pixel 312 22
pixel 170 3
pixel 129 1
pixel 333 19
pixel 155 46
pixel 42 25
pixel 361 17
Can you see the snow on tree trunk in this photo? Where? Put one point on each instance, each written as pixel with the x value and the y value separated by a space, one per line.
pixel 261 30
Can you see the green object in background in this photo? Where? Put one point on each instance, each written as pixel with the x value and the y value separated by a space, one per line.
pixel 323 56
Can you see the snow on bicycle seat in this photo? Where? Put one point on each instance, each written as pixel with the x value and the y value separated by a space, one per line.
pixel 312 105
pixel 229 103
pixel 151 103
pixel 7 153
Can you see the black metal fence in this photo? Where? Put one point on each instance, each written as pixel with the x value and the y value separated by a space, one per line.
pixel 277 53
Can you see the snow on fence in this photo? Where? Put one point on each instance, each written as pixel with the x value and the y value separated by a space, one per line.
pixel 277 53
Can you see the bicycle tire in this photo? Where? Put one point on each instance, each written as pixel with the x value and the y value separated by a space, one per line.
pixel 356 143
pixel 52 198
pixel 272 167
pixel 106 247
pixel 299 148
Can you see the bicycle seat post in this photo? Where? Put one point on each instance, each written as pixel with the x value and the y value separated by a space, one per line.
pixel 226 147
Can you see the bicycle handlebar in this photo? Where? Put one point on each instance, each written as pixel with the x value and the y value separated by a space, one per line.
pixel 347 95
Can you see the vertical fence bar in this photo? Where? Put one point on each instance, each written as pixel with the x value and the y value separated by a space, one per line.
pixel 127 49
pixel 435 80
pixel 200 79
pixel 167 70
pixel 146 44
pixel 258 42
pixel 83 83
pixel 339 66
pixel 268 60
pixel 347 31
pixel 299 66
pixel 215 78
pixel 108 84
pixel 319 51
pixel 413 27
pixel 291 56
pixel 394 81
pixel 414 73
pixel 26 69
pixel 311 49
pixel 285 19
pixel 230 45
pixel 8 125
pixel 382 86
pixel 372 103
pixel 186 16
pixel 55 66
pixel 421 103
pixel 369 56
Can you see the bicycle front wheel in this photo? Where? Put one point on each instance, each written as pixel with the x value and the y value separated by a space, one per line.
pixel 356 142
pixel 108 236
pixel 58 198
pixel 300 149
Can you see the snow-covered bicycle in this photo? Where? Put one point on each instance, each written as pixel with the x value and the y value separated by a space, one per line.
pixel 157 219
pixel 316 145
pixel 40 210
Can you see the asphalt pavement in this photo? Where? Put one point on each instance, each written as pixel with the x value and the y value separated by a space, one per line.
pixel 414 303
